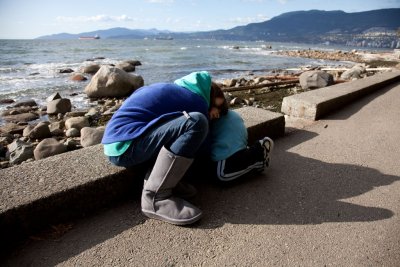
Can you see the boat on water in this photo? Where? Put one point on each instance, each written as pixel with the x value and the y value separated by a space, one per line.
pixel 89 37
pixel 164 38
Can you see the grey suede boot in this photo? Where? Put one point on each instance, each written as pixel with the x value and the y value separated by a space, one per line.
pixel 182 189
pixel 157 199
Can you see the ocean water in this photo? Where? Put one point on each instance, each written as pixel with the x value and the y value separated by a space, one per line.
pixel 29 69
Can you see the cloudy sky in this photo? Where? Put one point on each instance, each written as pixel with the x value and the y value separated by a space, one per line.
pixel 25 19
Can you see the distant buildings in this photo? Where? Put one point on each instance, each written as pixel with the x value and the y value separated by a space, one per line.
pixel 373 38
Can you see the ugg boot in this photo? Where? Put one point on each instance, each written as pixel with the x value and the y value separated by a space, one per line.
pixel 182 190
pixel 157 199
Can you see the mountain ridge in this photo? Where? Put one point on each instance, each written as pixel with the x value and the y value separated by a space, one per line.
pixel 300 26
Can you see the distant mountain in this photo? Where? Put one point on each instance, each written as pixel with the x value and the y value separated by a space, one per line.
pixel 110 33
pixel 309 25
pixel 299 26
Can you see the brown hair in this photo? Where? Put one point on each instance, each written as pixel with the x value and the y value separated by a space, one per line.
pixel 216 92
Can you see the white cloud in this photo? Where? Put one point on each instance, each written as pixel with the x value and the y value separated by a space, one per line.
pixel 97 18
pixel 283 2
pixel 247 20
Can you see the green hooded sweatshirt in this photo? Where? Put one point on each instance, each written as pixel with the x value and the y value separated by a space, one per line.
pixel 197 82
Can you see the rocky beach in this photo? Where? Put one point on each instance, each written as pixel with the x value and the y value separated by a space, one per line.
pixel 31 131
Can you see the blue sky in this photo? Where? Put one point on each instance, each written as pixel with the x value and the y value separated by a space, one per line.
pixel 25 19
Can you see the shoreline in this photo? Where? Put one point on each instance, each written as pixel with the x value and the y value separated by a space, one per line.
pixel 374 59
pixel 28 124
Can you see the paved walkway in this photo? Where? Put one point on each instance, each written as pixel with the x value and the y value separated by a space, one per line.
pixel 331 197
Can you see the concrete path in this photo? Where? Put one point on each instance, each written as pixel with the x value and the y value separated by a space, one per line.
pixel 330 198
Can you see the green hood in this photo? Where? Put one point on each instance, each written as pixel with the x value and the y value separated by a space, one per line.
pixel 197 82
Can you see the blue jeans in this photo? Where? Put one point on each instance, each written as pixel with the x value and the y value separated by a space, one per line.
pixel 182 136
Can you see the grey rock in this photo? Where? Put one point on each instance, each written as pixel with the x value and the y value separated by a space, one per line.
pixel 315 79
pixel 20 151
pixel 113 82
pixel 57 132
pixel 354 73
pixel 54 96
pixel 12 128
pixel 57 106
pixel 5 138
pixel 75 114
pixel 48 147
pixel 56 125
pixel 91 69
pixel 18 110
pixel 72 132
pixel 23 117
pixel 68 70
pixel 72 144
pixel 77 122
pixel 6 101
pixel 134 62
pixel 92 112
pixel 91 136
pixel 40 131
pixel 27 130
pixel 25 103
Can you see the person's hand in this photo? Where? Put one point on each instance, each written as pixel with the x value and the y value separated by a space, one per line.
pixel 214 113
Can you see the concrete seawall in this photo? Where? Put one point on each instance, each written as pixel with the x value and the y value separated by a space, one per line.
pixel 70 185
pixel 315 104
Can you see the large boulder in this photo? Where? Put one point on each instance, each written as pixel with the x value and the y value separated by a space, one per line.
pixel 91 69
pixel 354 73
pixel 40 131
pixel 113 82
pixel 77 123
pixel 91 136
pixel 62 105
pixel 315 79
pixel 48 147
pixel 20 151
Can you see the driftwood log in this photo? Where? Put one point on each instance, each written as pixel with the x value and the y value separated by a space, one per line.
pixel 259 86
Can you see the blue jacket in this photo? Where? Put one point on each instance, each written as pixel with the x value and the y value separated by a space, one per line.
pixel 149 105
pixel 228 136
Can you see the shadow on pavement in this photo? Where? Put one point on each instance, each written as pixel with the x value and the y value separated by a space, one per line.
pixel 295 190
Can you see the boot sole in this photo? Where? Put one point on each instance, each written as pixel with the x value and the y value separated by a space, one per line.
pixel 153 215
